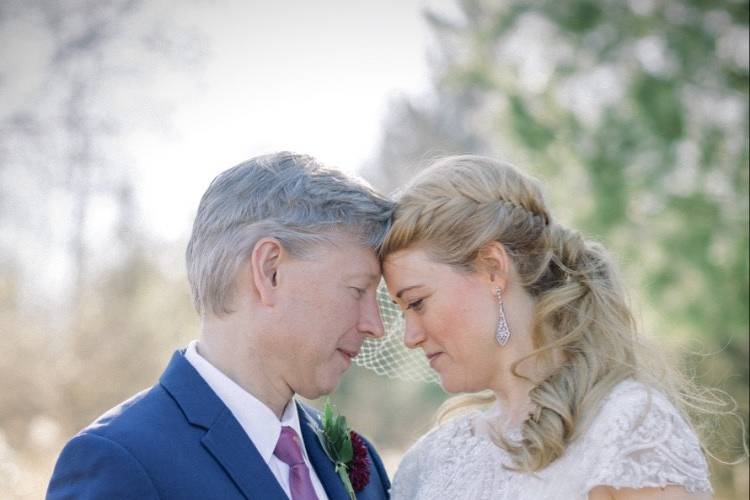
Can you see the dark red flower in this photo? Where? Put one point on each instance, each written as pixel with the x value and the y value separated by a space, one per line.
pixel 359 467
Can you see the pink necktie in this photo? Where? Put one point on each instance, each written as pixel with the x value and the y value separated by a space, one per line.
pixel 288 451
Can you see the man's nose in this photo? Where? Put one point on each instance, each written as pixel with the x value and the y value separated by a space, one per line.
pixel 370 322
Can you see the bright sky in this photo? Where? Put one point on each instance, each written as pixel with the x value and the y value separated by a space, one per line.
pixel 312 77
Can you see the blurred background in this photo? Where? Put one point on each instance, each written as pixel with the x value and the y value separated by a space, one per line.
pixel 116 114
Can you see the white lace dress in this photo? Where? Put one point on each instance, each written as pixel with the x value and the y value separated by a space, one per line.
pixel 637 440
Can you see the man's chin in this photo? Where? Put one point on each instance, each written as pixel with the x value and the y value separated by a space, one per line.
pixel 323 388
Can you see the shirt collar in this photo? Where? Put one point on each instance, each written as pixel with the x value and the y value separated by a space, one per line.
pixel 257 420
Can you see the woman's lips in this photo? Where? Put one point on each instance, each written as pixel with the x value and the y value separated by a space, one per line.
pixel 432 358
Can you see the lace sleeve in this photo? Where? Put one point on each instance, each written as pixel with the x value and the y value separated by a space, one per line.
pixel 640 440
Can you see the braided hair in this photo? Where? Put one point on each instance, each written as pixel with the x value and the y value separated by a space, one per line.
pixel 460 204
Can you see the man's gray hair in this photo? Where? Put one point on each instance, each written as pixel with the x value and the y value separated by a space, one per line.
pixel 287 196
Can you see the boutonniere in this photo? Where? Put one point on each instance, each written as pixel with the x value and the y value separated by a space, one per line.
pixel 346 449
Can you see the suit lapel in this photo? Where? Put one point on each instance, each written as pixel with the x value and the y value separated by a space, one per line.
pixel 228 443
pixel 321 463
pixel 224 439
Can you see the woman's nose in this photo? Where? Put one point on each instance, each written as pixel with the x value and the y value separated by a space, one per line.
pixel 413 335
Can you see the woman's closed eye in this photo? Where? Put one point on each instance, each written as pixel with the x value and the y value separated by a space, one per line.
pixel 416 305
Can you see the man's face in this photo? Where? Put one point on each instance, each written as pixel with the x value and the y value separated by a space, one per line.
pixel 327 308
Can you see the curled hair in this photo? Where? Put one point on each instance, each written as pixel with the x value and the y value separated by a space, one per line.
pixel 288 196
pixel 460 204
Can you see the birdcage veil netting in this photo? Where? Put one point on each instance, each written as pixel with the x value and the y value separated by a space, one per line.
pixel 388 355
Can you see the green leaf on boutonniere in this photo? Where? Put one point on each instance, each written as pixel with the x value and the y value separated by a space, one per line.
pixel 337 443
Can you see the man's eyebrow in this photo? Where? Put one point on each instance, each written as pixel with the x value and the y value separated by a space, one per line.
pixel 404 290
pixel 366 275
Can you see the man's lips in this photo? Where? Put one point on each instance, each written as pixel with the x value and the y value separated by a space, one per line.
pixel 349 353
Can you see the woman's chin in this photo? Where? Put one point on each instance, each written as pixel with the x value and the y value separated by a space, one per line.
pixel 453 385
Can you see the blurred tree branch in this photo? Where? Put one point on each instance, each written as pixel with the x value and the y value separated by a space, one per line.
pixel 82 79
pixel 61 134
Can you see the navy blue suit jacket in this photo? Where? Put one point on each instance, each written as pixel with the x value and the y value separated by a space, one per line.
pixel 178 440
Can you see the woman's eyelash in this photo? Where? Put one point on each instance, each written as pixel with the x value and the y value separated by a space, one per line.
pixel 416 305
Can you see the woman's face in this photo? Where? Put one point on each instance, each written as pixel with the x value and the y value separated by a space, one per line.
pixel 450 314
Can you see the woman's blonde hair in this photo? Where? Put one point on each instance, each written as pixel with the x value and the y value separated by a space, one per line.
pixel 460 204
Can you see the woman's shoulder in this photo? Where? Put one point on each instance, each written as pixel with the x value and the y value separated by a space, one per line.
pixel 632 397
pixel 632 406
pixel 638 438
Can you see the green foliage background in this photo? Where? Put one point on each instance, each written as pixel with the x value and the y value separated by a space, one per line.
pixel 635 116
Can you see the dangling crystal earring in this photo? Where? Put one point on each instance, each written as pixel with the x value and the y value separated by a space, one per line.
pixel 502 334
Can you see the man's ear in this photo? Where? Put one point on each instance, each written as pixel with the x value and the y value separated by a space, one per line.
pixel 493 263
pixel 264 264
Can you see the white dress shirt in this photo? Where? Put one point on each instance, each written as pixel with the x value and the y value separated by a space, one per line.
pixel 259 422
